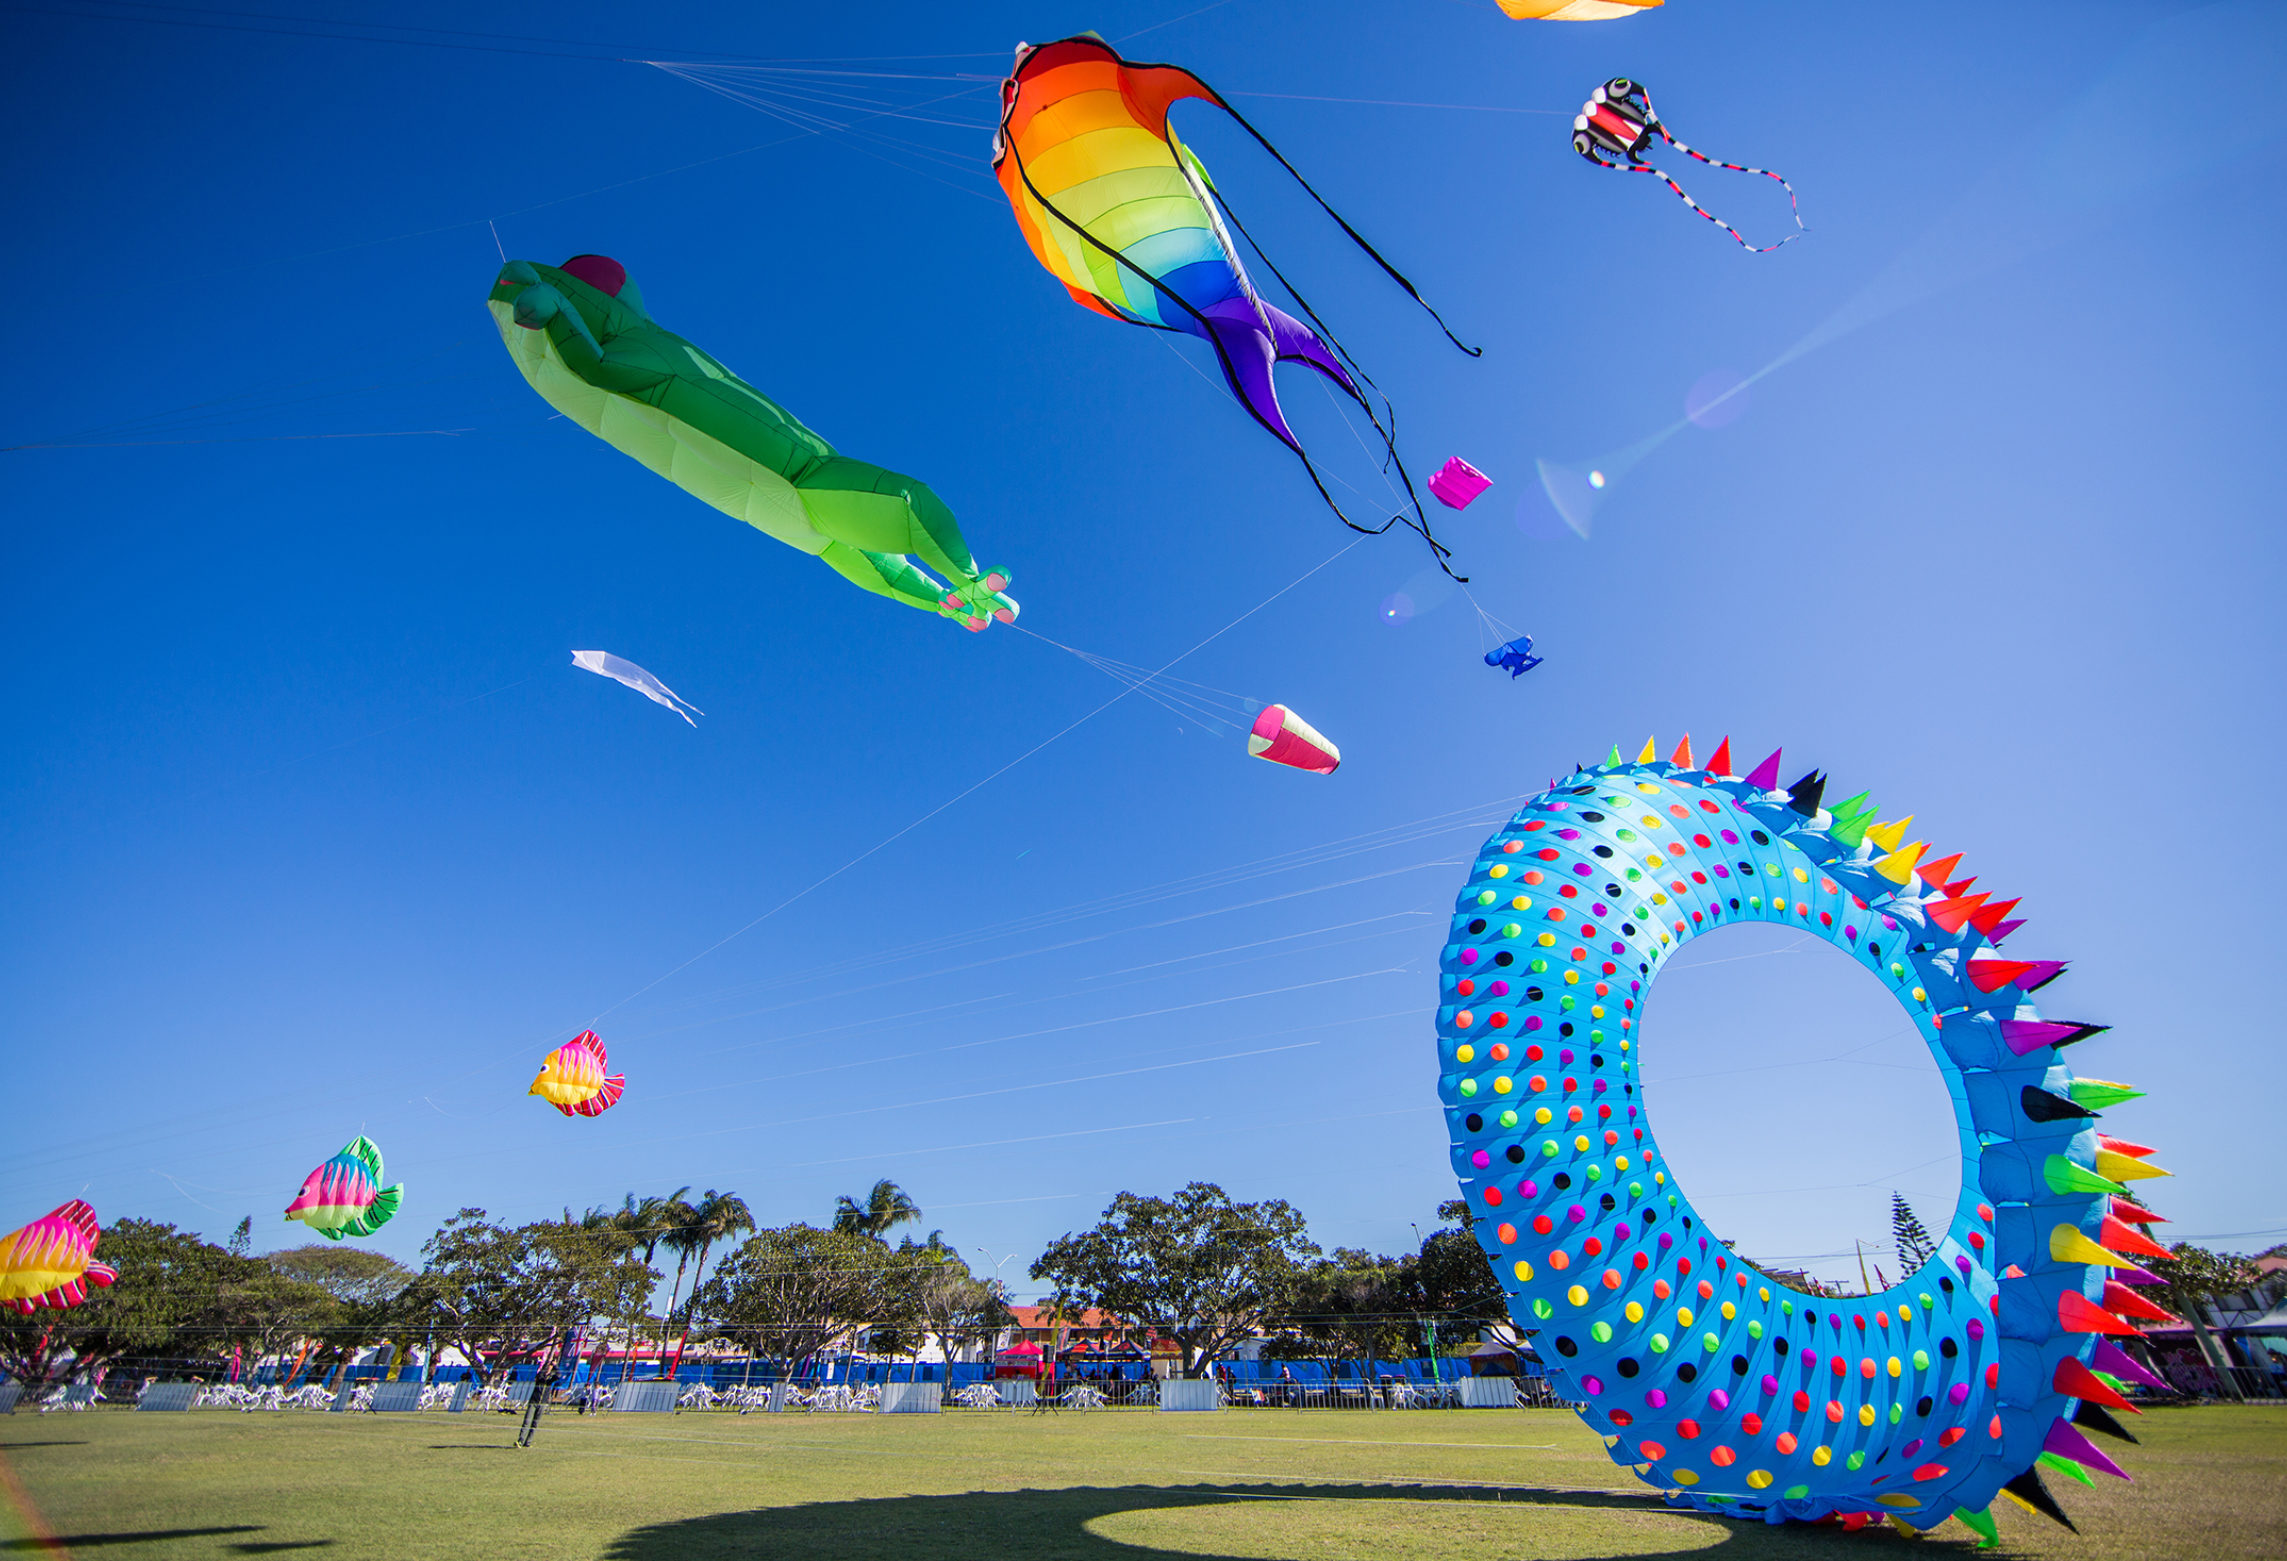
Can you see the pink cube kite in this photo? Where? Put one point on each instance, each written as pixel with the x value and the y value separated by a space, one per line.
pixel 1457 482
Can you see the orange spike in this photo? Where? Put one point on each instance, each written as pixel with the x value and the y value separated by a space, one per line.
pixel 1934 873
pixel 2120 1299
pixel 1991 916
pixel 2076 1313
pixel 2122 1237
pixel 2123 1146
pixel 1954 914
pixel 1681 758
pixel 1721 763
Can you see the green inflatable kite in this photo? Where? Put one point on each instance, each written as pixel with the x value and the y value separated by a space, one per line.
pixel 582 337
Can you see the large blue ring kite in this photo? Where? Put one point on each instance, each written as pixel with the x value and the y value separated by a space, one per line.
pixel 1735 1394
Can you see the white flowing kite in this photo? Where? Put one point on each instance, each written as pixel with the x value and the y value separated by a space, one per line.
pixel 605 664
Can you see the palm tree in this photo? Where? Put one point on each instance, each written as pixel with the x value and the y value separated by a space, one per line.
pixel 718 1216
pixel 679 1234
pixel 643 1223
pixel 885 1208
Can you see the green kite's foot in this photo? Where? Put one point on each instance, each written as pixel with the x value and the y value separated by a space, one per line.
pixel 977 602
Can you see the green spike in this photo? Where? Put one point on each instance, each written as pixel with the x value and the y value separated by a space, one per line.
pixel 2096 1094
pixel 1612 760
pixel 1850 832
pixel 1981 1523
pixel 1854 807
pixel 2110 1381
pixel 2064 1465
pixel 2065 1178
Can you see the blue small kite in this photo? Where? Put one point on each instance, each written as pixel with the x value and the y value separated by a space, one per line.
pixel 1517 656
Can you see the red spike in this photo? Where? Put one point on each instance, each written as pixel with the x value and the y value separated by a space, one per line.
pixel 1720 764
pixel 2134 1213
pixel 1957 890
pixel 2124 1238
pixel 1681 758
pixel 2075 1380
pixel 2123 1146
pixel 2076 1313
pixel 1991 975
pixel 2126 1302
pixel 1990 916
pixel 1953 915
pixel 1934 873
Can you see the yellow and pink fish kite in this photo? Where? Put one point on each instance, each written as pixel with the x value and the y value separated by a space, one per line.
pixel 51 1261
pixel 344 1196
pixel 573 1081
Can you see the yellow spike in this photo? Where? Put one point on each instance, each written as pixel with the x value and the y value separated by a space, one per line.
pixel 2022 1502
pixel 1903 1527
pixel 1681 758
pixel 1651 753
pixel 2068 1245
pixel 1898 866
pixel 2125 1168
pixel 1887 836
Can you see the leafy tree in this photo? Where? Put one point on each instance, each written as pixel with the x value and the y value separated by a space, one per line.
pixel 1913 1242
pixel 885 1208
pixel 2192 1277
pixel 1347 1304
pixel 717 1216
pixel 513 1292
pixel 792 1292
pixel 1449 1282
pixel 1197 1267
pixel 168 1300
pixel 352 1275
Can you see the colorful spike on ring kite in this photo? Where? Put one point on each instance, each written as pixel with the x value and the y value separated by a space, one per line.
pixel 1618 120
pixel 573 1081
pixel 1713 1380
pixel 51 1261
pixel 344 1196
pixel 1283 737
pixel 1121 212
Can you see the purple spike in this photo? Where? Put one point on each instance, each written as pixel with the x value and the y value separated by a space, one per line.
pixel 2136 1276
pixel 2066 1442
pixel 2112 1358
pixel 2003 929
pixel 2043 972
pixel 1765 776
pixel 2026 1035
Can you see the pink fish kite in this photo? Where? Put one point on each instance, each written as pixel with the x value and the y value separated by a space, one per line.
pixel 572 1080
pixel 51 1261
pixel 344 1196
pixel 1282 737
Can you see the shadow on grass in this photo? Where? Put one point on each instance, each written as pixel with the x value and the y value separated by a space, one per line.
pixel 9 1447
pixel 1037 1525
pixel 273 1546
pixel 148 1536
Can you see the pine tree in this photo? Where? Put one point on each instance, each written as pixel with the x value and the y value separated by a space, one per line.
pixel 1913 1242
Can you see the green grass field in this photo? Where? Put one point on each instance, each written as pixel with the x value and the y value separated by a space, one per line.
pixel 1294 1486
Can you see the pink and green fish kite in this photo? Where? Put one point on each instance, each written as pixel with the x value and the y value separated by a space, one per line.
pixel 344 1196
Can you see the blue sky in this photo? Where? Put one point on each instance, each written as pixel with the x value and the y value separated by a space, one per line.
pixel 311 828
